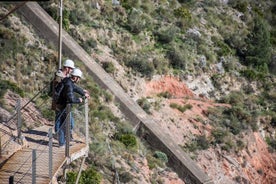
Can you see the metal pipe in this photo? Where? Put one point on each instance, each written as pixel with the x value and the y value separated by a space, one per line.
pixel 60 35
pixel 50 154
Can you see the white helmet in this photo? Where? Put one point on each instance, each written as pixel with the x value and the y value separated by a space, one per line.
pixel 69 63
pixel 77 72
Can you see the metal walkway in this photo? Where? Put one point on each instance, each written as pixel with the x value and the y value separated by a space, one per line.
pixel 20 164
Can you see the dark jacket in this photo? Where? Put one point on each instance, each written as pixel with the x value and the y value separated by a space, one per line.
pixel 67 95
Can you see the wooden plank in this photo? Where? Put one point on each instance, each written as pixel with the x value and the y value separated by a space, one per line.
pixel 19 165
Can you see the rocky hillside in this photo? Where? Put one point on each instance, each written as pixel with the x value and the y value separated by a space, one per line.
pixel 204 70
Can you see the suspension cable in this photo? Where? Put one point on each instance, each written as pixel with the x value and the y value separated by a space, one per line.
pixel 13 10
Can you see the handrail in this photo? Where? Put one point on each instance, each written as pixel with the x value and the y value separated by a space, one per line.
pixel 11 121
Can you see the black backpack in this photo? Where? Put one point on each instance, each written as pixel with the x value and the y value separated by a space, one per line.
pixel 58 91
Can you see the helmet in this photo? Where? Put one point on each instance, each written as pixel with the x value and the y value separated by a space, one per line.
pixel 77 72
pixel 69 63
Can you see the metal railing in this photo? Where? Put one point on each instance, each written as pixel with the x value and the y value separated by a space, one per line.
pixel 16 120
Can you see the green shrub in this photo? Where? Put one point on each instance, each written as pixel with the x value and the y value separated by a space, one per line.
pixel 166 35
pixel 129 4
pixel 240 5
pixel 125 177
pixel 219 134
pixel 271 143
pixel 142 65
pixel 180 107
pixel 258 53
pixel 161 156
pixel 78 16
pixel 165 94
pixel 183 13
pixel 5 85
pixel 199 143
pixel 88 44
pixel 49 114
pixel 137 22
pixel 154 162
pixel 234 98
pixel 89 176
pixel 227 145
pixel 161 65
pixel 144 104
pixel 129 140
pixel 108 67
pixel 252 75
pixel 103 113
pixel 178 58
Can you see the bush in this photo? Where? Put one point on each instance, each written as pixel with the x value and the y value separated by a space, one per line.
pixel 180 107
pixel 125 177
pixel 108 67
pixel 89 176
pixel 165 94
pixel 129 140
pixel 178 59
pixel 5 85
pixel 142 65
pixel 219 135
pixel 258 53
pixel 199 143
pixel 252 75
pixel 161 156
pixel 183 13
pixel 137 22
pixel 88 44
pixel 271 143
pixel 240 5
pixel 154 162
pixel 166 35
pixel 144 104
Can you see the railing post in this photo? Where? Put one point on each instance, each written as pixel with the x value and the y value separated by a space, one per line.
pixel 11 179
pixel 0 146
pixel 19 121
pixel 86 122
pixel 50 155
pixel 34 166
pixel 67 130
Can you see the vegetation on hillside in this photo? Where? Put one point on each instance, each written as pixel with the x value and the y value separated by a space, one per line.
pixel 180 37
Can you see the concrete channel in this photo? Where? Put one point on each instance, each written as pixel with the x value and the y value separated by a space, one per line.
pixel 146 127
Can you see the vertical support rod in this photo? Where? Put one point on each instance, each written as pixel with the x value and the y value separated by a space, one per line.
pixel 67 131
pixel 79 174
pixel 86 122
pixel 50 155
pixel 19 121
pixel 11 179
pixel 60 35
pixel 0 146
pixel 34 166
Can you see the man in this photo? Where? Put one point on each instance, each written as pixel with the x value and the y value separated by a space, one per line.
pixel 68 97
pixel 66 70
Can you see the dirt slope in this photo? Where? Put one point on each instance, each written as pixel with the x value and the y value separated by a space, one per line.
pixel 254 164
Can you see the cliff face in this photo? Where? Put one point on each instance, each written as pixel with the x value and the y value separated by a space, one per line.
pixel 253 164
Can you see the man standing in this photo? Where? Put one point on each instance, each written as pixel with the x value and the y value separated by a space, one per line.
pixel 67 96
pixel 66 70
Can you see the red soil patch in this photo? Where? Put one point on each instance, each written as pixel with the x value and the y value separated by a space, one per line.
pixel 168 84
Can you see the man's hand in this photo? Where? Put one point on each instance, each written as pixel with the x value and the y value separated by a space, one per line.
pixel 86 94
pixel 80 100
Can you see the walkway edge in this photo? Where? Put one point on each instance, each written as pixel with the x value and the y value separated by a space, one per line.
pixel 148 128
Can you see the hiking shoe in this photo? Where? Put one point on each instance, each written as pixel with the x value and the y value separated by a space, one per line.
pixel 72 138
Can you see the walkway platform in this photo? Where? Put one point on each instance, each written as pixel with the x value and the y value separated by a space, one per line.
pixel 19 165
